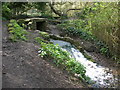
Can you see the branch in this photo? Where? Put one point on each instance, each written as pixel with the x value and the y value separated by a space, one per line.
pixel 73 9
pixel 53 9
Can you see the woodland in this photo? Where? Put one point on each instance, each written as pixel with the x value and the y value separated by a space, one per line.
pixel 73 37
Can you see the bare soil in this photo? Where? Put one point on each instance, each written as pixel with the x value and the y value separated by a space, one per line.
pixel 23 68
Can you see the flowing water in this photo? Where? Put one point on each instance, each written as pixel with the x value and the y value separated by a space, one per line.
pixel 102 76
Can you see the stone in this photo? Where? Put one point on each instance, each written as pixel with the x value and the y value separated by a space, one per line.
pixel 35 23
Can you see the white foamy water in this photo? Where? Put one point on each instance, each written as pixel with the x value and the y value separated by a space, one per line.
pixel 97 73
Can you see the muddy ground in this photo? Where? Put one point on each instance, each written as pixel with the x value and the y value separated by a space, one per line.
pixel 23 68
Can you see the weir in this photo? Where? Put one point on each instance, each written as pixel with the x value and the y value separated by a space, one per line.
pixel 102 76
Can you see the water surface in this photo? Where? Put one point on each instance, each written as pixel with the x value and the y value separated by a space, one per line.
pixel 101 75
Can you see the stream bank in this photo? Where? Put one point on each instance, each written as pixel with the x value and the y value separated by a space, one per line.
pixel 23 68
pixel 101 76
pixel 24 46
pixel 99 59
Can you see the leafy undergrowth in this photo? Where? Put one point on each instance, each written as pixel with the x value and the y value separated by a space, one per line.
pixel 77 28
pixel 81 29
pixel 16 32
pixel 62 58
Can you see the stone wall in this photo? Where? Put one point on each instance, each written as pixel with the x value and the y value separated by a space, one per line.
pixel 37 23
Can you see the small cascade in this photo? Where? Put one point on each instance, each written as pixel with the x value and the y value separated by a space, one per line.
pixel 102 76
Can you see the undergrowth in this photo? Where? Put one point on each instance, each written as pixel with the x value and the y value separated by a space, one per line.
pixel 61 57
pixel 16 31
pixel 77 28
pixel 81 29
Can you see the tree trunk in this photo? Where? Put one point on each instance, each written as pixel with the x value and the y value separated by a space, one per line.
pixel 55 11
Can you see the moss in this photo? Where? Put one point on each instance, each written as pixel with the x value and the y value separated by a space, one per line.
pixel 92 60
pixel 67 39
pixel 88 57
pixel 56 37
pixel 45 35
pixel 13 38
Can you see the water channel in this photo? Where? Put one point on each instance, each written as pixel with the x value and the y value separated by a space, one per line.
pixel 101 75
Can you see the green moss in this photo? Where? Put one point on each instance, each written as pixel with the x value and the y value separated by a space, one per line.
pixel 89 57
pixel 67 39
pixel 44 35
pixel 92 60
pixel 21 21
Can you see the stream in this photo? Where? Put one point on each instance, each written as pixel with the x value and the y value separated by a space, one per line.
pixel 102 76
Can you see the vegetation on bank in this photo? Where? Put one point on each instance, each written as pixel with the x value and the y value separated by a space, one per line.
pixel 47 37
pixel 97 23
pixel 78 28
pixel 62 58
pixel 72 28
pixel 16 31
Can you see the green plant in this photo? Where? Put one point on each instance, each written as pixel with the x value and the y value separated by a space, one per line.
pixel 104 50
pixel 81 29
pixel 77 28
pixel 44 34
pixel 16 32
pixel 116 58
pixel 39 40
pixel 61 57
pixel 6 12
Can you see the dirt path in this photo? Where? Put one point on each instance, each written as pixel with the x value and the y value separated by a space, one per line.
pixel 23 68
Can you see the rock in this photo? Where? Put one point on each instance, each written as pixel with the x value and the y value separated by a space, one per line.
pixel 34 23
pixel 67 39
pixel 91 49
